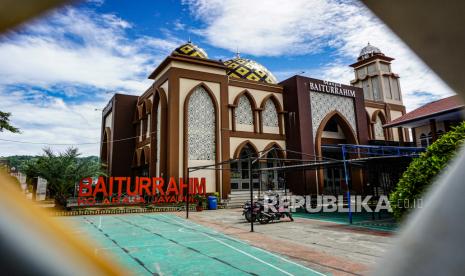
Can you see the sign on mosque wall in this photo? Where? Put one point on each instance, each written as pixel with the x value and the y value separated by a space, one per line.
pixel 331 88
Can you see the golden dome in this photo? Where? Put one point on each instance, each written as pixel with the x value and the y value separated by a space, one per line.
pixel 248 69
pixel 190 49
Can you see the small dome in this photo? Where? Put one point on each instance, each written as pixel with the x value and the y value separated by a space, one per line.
pixel 369 51
pixel 190 49
pixel 242 68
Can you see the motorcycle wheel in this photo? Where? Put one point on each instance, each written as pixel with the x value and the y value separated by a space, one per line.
pixel 263 219
pixel 249 216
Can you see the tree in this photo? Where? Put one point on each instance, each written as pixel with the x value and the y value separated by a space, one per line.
pixel 5 123
pixel 423 170
pixel 62 171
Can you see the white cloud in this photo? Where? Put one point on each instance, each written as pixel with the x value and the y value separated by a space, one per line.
pixel 299 27
pixel 178 25
pixel 49 120
pixel 70 53
pixel 81 47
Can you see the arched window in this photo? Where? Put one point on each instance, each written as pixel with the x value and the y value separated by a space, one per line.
pixel 273 179
pixel 379 131
pixel 240 170
pixel 270 114
pixel 201 125
pixel 243 112
pixel 331 125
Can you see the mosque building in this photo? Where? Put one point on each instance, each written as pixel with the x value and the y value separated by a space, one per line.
pixel 199 111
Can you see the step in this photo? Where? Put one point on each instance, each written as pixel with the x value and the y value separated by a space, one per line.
pixel 237 198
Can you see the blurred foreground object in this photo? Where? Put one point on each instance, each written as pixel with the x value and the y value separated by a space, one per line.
pixel 432 241
pixel 31 243
pixel 15 12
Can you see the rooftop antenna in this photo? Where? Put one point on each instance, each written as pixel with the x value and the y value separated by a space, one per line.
pixel 189 41
pixel 238 54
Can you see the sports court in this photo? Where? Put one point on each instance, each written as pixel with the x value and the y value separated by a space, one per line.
pixel 165 244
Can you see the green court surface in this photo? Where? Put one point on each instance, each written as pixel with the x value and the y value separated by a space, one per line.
pixel 364 220
pixel 163 244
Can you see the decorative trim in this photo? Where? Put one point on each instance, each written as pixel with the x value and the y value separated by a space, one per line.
pixel 187 59
pixel 281 153
pixel 256 85
pixel 239 148
pixel 372 58
pixel 342 122
pixel 252 135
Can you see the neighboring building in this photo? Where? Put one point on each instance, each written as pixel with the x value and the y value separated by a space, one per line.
pixel 382 93
pixel 431 120
pixel 201 112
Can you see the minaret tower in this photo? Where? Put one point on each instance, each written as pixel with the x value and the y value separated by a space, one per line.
pixel 383 96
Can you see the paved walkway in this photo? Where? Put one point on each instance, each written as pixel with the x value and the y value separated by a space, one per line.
pixel 329 247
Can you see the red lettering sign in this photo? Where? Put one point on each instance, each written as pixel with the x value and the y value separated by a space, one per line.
pixel 109 191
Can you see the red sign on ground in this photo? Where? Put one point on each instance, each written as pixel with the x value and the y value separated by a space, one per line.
pixel 127 190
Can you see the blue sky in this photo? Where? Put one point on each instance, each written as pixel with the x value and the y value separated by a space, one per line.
pixel 59 70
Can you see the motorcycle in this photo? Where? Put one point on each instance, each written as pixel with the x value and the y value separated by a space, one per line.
pixel 258 212
pixel 250 212
pixel 273 214
pixel 265 217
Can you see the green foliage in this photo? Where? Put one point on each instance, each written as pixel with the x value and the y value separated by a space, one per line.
pixel 422 171
pixel 5 123
pixel 17 161
pixel 199 199
pixel 62 171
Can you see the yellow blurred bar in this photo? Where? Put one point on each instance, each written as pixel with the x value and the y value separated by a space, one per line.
pixel 41 243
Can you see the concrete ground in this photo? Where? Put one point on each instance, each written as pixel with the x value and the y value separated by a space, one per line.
pixel 325 246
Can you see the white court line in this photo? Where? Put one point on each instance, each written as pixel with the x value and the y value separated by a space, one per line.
pixel 238 250
pixel 260 249
pixel 247 254
pixel 152 245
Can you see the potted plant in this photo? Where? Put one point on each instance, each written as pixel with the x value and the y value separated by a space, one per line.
pixel 200 199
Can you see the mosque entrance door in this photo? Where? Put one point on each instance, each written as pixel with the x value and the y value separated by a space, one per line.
pixel 240 172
